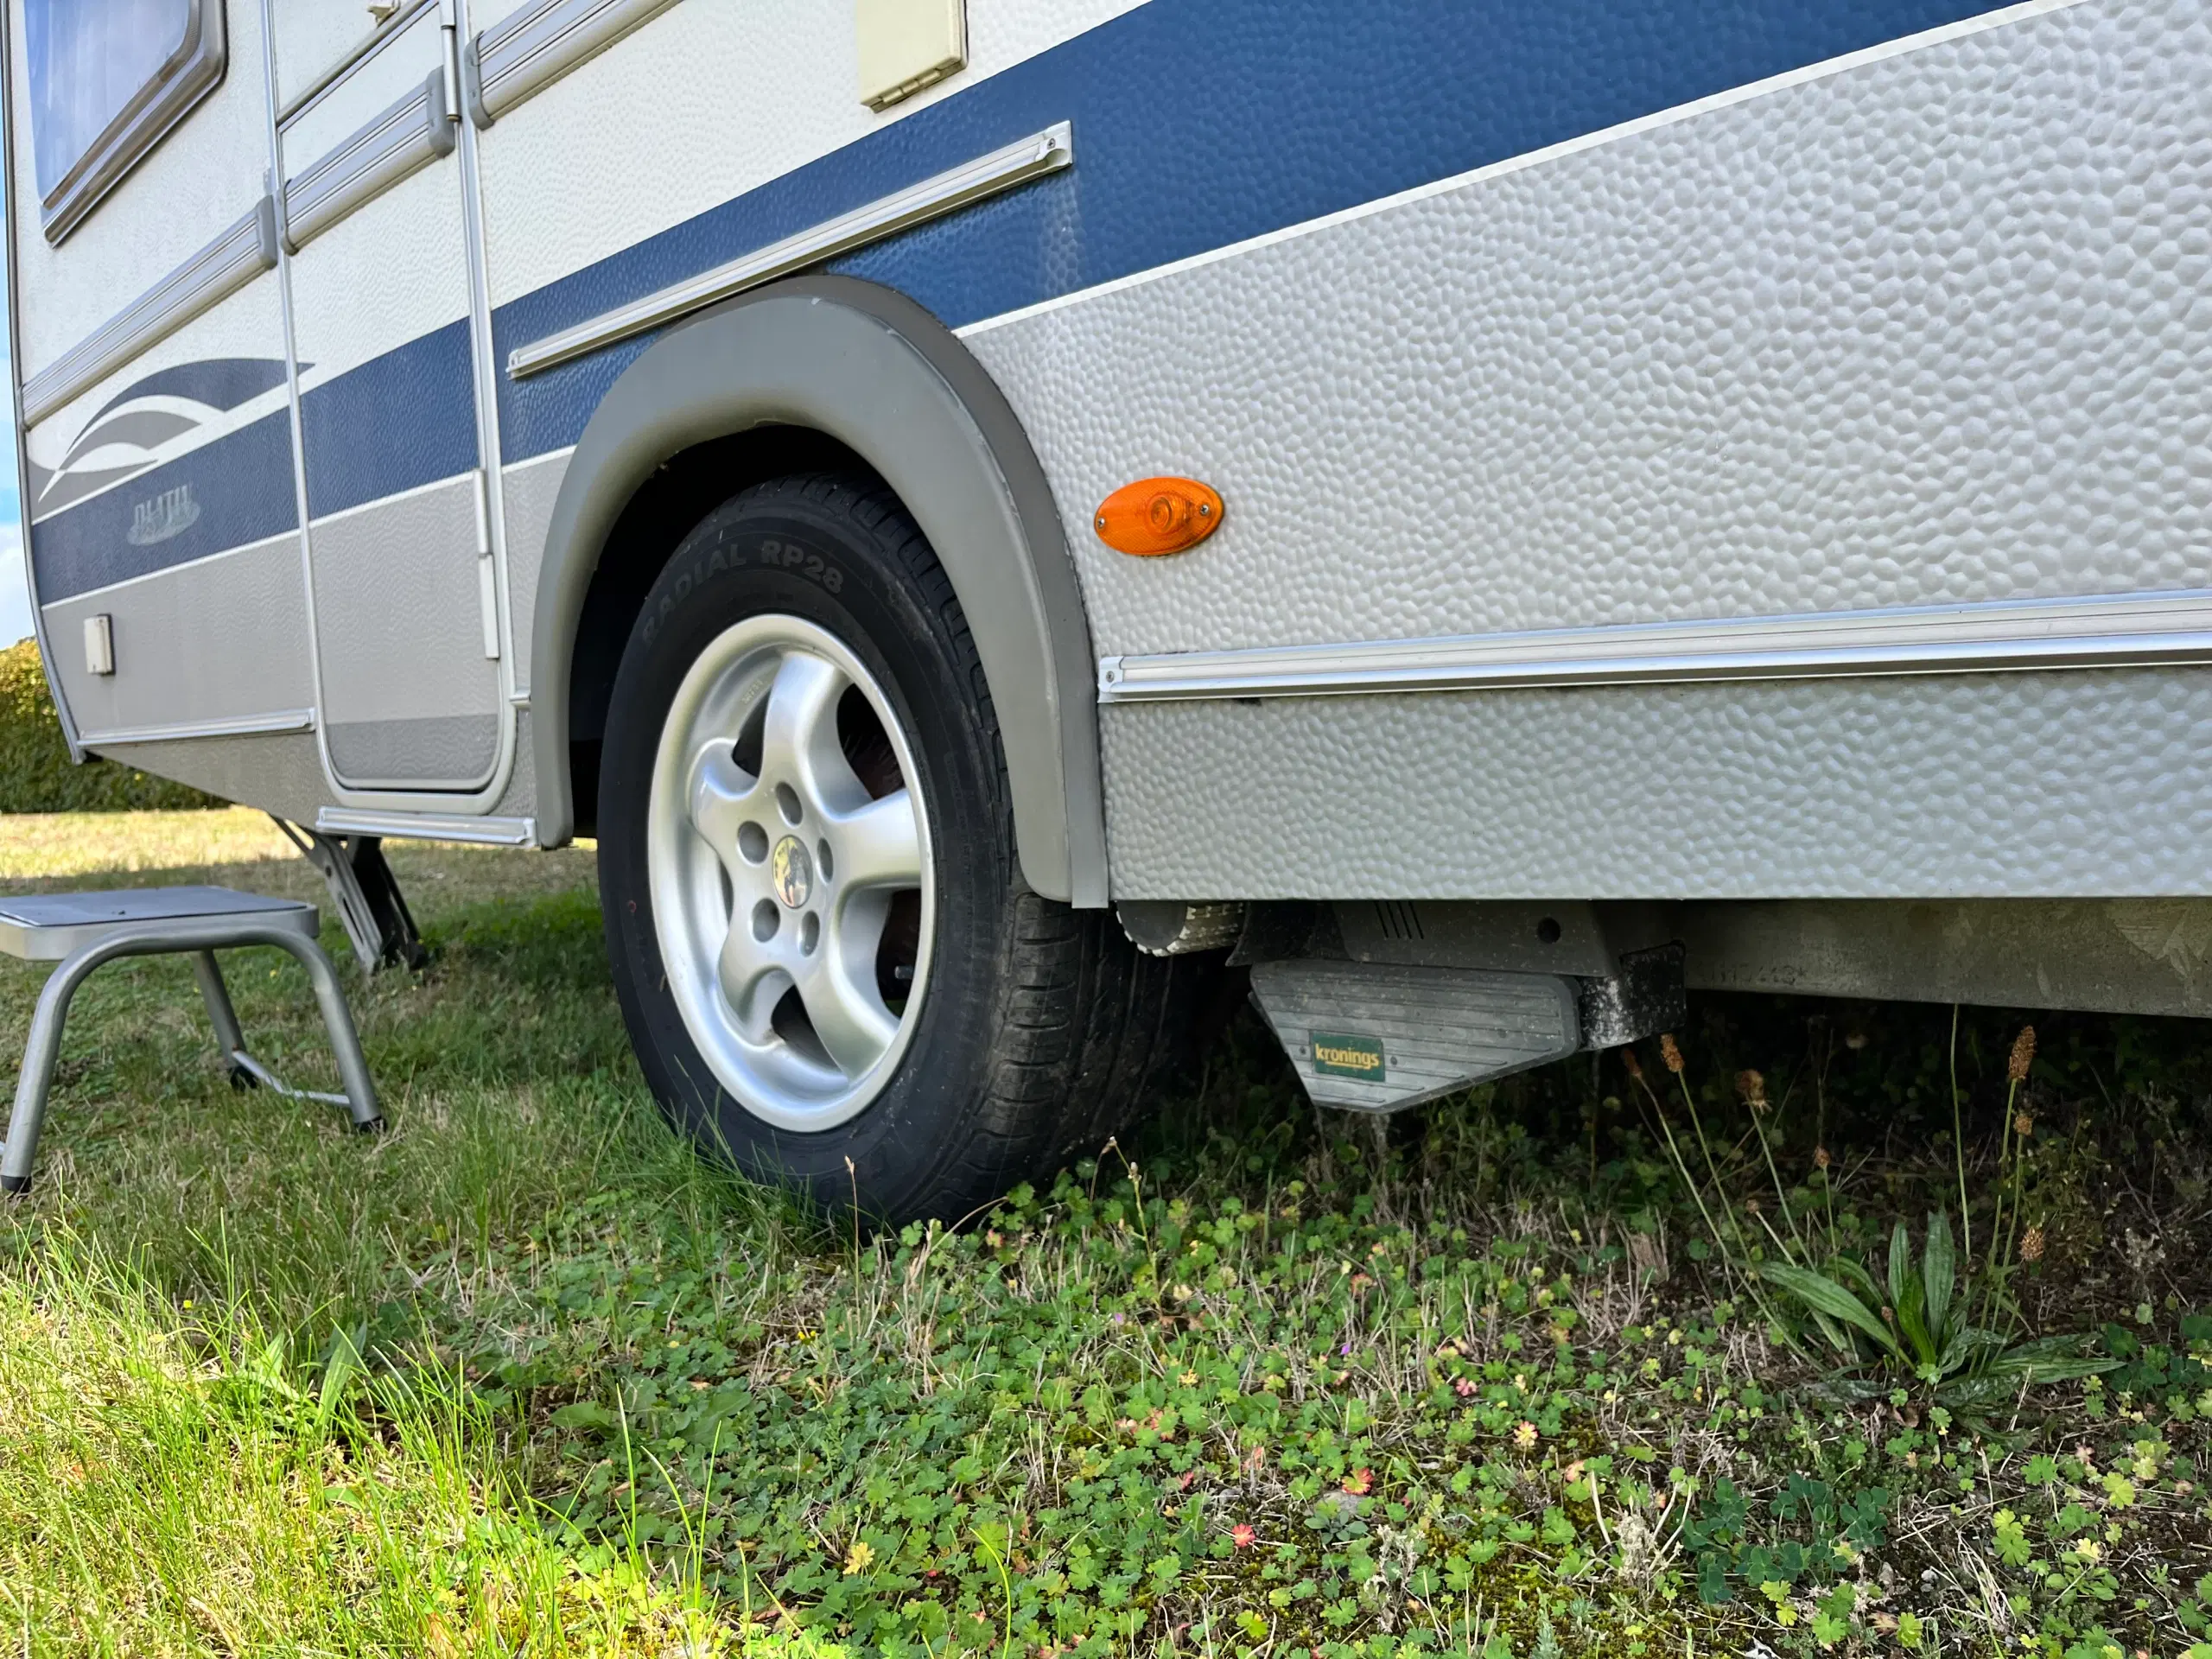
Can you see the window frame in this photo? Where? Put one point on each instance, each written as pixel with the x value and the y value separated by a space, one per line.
pixel 192 72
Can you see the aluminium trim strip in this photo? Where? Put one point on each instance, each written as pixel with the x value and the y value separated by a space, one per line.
pixel 284 720
pixel 1033 157
pixel 2131 630
pixel 420 826
pixel 531 48
pixel 407 134
pixel 234 258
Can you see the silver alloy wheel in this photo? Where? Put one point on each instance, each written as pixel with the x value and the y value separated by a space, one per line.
pixel 772 886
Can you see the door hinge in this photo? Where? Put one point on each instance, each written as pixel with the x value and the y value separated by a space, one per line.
pixel 449 60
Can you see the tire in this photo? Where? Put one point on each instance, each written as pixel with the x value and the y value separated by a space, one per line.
pixel 739 840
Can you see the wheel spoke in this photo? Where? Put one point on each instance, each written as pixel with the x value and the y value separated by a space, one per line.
pixel 798 741
pixel 881 845
pixel 753 981
pixel 719 793
pixel 850 1020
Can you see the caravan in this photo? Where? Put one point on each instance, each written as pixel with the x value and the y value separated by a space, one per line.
pixel 1489 513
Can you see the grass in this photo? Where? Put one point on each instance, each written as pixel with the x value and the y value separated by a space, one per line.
pixel 173 1488
pixel 36 774
pixel 1506 1375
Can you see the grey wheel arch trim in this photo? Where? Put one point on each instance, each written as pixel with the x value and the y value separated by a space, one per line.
pixel 870 368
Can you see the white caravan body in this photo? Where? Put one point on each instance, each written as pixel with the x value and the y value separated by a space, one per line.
pixel 1751 455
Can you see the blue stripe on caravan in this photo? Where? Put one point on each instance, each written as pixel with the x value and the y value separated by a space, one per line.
pixel 240 490
pixel 405 418
pixel 1201 122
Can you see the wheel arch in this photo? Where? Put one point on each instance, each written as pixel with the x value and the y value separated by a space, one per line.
pixel 833 366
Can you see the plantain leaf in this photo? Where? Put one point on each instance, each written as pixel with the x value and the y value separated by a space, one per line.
pixel 1939 1271
pixel 2038 1349
pixel 1900 1265
pixel 1912 1321
pixel 1823 1295
pixel 1966 1393
pixel 2047 1359
pixel 2056 1371
pixel 1854 1276
pixel 1837 1337
pixel 344 1364
pixel 1966 1348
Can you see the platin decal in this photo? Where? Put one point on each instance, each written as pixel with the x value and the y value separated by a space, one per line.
pixel 170 513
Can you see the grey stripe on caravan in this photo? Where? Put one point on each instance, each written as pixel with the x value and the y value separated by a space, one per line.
pixel 485 832
pixel 2026 785
pixel 169 571
pixel 535 45
pixel 282 720
pixel 918 204
pixel 525 465
pixel 394 498
pixel 2127 631
pixel 514 469
pixel 1658 118
pixel 225 265
pixel 525 545
pixel 407 134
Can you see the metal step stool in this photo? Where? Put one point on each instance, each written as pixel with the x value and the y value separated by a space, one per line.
pixel 80 931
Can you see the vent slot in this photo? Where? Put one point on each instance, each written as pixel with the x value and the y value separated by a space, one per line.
pixel 1398 920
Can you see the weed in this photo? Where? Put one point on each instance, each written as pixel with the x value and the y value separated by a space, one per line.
pixel 1914 1323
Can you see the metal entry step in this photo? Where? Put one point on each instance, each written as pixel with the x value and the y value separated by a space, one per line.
pixel 1372 1038
pixel 1383 1036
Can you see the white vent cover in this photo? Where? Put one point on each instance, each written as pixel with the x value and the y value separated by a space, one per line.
pixel 99 644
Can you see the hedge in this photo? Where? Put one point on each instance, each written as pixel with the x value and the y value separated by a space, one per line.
pixel 36 775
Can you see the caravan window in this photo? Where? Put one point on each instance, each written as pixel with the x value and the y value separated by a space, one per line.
pixel 108 78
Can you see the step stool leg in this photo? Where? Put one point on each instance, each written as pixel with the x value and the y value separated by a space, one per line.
pixel 338 1020
pixel 222 1016
pixel 37 1078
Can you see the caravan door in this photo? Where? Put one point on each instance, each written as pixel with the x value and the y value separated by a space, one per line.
pixel 383 304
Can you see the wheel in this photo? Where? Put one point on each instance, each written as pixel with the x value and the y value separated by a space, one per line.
pixel 830 968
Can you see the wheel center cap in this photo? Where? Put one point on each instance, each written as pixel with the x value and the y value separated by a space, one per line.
pixel 793 872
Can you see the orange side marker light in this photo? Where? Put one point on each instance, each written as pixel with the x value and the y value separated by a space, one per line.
pixel 1158 515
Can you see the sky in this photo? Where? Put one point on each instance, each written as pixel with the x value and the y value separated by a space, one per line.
pixel 14 591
